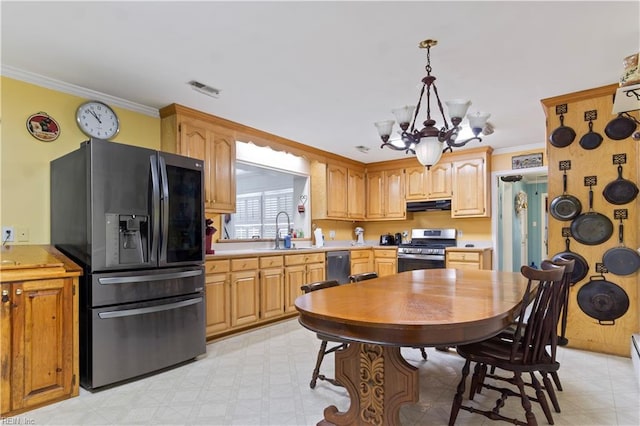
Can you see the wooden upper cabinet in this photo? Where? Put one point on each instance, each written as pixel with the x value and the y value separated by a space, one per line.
pixel 193 139
pixel 337 189
pixel 337 192
pixel 439 181
pixel 432 184
pixel 355 192
pixel 221 159
pixel 191 133
pixel 416 178
pixel 470 183
pixel 375 195
pixel 385 195
pixel 396 206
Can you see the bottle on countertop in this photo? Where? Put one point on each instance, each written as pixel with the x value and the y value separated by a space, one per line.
pixel 287 241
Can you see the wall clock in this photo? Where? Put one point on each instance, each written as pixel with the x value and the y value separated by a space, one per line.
pixel 43 127
pixel 97 119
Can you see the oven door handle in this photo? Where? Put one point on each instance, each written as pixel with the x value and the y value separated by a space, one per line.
pixel 152 309
pixel 422 256
pixel 147 278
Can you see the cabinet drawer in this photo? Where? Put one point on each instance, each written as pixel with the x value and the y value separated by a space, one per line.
pixel 271 261
pixel 244 264
pixel 459 256
pixel 360 254
pixel 216 266
pixel 385 253
pixel 299 259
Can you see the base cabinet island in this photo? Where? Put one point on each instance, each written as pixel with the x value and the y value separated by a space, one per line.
pixel 38 328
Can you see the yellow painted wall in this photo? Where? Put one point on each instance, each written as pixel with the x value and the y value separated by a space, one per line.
pixel 470 229
pixel 24 160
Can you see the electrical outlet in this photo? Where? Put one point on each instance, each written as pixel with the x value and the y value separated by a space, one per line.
pixel 23 234
pixel 332 234
pixel 7 234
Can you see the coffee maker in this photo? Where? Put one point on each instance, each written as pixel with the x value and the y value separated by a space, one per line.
pixel 359 236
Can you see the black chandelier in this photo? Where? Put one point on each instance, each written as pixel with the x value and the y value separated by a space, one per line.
pixel 428 144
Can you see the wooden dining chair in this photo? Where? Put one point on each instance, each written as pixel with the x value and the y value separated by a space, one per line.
pixel 525 352
pixel 561 305
pixel 363 276
pixel 354 278
pixel 324 339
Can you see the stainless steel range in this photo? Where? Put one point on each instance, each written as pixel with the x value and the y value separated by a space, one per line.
pixel 426 249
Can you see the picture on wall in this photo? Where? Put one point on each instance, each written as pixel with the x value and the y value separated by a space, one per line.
pixel 526 161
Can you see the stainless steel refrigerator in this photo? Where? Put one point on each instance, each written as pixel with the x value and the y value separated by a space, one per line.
pixel 134 219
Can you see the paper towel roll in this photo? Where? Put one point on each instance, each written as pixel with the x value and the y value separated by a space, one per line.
pixel 318 235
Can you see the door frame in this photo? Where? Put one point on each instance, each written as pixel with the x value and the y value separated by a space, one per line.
pixel 495 207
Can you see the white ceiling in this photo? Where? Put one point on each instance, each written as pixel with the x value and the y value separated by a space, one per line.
pixel 322 72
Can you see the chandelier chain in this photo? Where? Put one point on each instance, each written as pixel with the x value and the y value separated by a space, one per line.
pixel 415 114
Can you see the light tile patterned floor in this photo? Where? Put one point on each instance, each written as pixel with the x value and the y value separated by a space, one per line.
pixel 262 378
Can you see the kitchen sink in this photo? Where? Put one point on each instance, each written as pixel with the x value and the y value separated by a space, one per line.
pixel 282 249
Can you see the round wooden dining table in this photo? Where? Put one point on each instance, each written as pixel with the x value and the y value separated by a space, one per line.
pixel 429 307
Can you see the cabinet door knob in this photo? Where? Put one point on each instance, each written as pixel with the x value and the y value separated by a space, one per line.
pixel 18 291
pixel 5 296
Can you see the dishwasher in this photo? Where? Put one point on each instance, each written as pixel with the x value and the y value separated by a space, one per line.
pixel 339 266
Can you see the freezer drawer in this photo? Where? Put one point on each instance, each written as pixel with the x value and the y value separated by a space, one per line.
pixel 112 288
pixel 129 340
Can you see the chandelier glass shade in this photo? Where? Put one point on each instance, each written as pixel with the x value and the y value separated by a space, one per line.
pixel 430 142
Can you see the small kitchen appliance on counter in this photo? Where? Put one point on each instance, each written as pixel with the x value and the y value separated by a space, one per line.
pixel 359 236
pixel 387 240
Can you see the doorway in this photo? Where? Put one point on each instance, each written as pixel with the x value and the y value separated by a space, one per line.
pixel 519 198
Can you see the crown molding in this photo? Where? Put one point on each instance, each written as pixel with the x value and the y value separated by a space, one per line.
pixel 507 150
pixel 72 89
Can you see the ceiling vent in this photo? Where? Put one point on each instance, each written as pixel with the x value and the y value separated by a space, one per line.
pixel 203 88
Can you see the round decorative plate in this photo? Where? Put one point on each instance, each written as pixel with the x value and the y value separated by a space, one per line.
pixel 43 127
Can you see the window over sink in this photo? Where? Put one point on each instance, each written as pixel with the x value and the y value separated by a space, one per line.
pixel 267 182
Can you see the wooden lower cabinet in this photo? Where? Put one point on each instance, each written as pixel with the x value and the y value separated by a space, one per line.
pixel 301 269
pixel 271 287
pixel 218 296
pixel 385 261
pixel 468 258
pixel 361 261
pixel 38 337
pixel 245 291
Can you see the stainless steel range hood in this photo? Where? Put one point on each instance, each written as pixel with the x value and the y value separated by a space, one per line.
pixel 426 206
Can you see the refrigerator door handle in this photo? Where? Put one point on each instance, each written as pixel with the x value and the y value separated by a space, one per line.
pixel 147 278
pixel 155 200
pixel 164 211
pixel 152 309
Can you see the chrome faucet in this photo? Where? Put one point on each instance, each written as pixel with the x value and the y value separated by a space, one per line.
pixel 278 228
